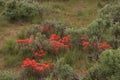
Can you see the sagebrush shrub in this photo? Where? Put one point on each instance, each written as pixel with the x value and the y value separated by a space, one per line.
pixel 21 10
pixel 111 13
pixel 63 71
pixel 115 35
pixel 108 68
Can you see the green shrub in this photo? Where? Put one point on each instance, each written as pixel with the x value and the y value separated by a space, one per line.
pixel 2 3
pixel 98 29
pixel 111 13
pixel 6 75
pixel 21 10
pixel 108 68
pixel 63 71
pixel 115 35
pixel 106 26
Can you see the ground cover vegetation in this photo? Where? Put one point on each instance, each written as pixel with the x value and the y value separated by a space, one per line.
pixel 55 50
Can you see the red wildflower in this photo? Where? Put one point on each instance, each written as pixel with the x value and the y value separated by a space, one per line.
pixel 104 45
pixel 83 38
pixel 54 37
pixel 39 55
pixel 57 42
pixel 27 62
pixel 25 41
pixel 40 69
pixel 42 51
pixel 37 66
pixel 47 66
pixel 85 44
pixel 20 41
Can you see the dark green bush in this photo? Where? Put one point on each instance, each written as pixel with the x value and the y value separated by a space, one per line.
pixel 111 13
pixel 108 68
pixel 115 35
pixel 2 3
pixel 21 10
pixel 63 71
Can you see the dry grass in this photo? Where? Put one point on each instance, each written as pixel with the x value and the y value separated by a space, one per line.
pixel 76 13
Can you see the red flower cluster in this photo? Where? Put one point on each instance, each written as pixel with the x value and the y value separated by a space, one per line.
pixel 25 41
pixel 83 38
pixel 101 46
pixel 66 40
pixel 41 53
pixel 57 42
pixel 104 45
pixel 54 37
pixel 85 44
pixel 41 67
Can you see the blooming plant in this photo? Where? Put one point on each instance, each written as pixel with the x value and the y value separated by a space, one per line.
pixel 100 45
pixel 57 42
pixel 37 66
pixel 47 36
pixel 39 52
pixel 94 47
pixel 25 41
